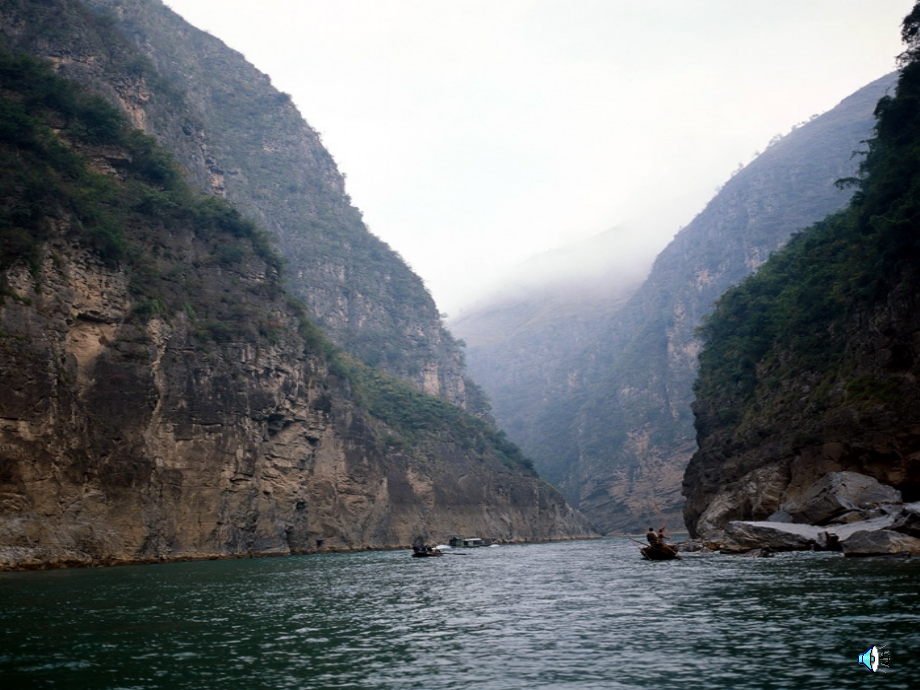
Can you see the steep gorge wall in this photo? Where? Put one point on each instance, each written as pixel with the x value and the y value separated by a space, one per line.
pixel 635 430
pixel 238 137
pixel 618 433
pixel 864 421
pixel 162 396
pixel 126 442
pixel 811 364
pixel 526 340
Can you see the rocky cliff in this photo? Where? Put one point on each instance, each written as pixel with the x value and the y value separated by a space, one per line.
pixel 810 365
pixel 238 137
pixel 162 395
pixel 856 416
pixel 617 433
pixel 125 441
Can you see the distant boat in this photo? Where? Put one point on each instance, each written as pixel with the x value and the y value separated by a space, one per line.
pixel 418 552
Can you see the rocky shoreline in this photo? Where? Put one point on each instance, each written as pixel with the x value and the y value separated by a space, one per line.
pixel 32 561
pixel 845 512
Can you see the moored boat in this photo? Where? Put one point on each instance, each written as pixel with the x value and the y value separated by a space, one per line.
pixel 468 542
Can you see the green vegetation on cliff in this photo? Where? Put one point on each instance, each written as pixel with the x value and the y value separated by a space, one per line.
pixel 810 365
pixel 792 316
pixel 414 415
pixel 68 159
pixel 271 164
pixel 236 136
pixel 55 137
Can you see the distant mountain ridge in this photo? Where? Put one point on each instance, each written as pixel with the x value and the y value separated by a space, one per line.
pixel 610 261
pixel 546 312
pixel 617 435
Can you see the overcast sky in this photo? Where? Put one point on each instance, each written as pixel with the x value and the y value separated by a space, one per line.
pixel 476 133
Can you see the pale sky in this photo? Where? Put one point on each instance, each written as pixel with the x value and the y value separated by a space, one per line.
pixel 476 133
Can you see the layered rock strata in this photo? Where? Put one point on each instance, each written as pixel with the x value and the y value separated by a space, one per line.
pixel 238 137
pixel 163 397
pixel 123 441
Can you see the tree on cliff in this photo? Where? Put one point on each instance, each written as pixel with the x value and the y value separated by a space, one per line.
pixel 834 267
pixel 910 35
pixel 817 346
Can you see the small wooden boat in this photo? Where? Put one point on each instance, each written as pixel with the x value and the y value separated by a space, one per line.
pixel 660 552
pixel 418 553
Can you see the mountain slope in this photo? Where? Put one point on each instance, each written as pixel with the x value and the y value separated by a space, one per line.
pixel 547 312
pixel 162 394
pixel 240 138
pixel 811 364
pixel 616 439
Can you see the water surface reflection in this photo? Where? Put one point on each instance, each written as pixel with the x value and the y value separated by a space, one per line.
pixel 567 615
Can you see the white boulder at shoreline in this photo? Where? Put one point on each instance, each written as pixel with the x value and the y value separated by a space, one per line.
pixel 855 514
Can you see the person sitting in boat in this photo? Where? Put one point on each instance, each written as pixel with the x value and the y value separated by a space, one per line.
pixel 652 537
pixel 661 536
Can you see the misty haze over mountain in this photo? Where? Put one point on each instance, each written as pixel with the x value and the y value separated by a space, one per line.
pixel 592 373
pixel 476 134
pixel 600 267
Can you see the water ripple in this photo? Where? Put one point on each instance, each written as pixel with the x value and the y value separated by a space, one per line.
pixel 569 615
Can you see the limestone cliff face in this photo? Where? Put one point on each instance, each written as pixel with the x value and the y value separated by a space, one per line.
pixel 238 137
pixel 125 442
pixel 163 395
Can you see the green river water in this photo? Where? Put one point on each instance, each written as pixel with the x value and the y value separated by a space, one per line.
pixel 587 614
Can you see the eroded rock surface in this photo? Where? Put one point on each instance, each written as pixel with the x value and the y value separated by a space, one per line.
pixel 837 493
pixel 123 441
pixel 908 520
pixel 741 537
pixel 238 137
pixel 880 536
pixel 163 397
pixel 880 543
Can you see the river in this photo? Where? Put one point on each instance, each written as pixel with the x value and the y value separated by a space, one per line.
pixel 586 614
